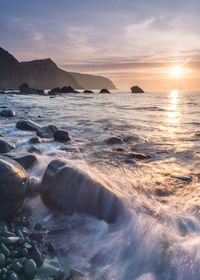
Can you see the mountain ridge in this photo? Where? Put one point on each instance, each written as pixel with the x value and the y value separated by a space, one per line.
pixel 45 74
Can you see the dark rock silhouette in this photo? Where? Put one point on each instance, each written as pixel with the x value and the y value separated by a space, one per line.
pixel 13 187
pixel 65 89
pixel 44 74
pixel 104 90
pixel 69 190
pixel 25 89
pixel 88 91
pixel 136 89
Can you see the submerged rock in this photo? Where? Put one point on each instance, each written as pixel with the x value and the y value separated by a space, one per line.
pixel 62 136
pixel 136 89
pixel 6 146
pixel 47 131
pixel 70 190
pixel 27 125
pixel 104 90
pixel 7 113
pixel 114 140
pixel 13 187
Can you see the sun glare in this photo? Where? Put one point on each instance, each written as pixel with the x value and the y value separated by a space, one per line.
pixel 176 71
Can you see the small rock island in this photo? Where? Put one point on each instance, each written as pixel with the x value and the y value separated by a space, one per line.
pixel 136 89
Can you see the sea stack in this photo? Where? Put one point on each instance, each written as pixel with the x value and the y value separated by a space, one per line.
pixel 136 89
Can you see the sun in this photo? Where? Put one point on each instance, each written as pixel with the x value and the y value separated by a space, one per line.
pixel 176 71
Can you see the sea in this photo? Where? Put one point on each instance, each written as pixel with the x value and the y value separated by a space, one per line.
pixel 155 170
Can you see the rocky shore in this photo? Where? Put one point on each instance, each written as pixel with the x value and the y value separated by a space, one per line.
pixel 26 248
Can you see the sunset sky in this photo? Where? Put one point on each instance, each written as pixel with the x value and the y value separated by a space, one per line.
pixel 129 41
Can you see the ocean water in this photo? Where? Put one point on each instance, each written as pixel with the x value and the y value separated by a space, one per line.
pixel 155 171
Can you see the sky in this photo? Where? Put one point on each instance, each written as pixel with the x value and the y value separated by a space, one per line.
pixel 129 41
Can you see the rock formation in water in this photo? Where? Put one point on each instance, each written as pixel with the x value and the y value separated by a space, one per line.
pixel 13 187
pixel 136 89
pixel 44 74
pixel 69 190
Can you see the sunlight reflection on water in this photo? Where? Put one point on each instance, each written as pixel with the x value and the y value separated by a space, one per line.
pixel 173 113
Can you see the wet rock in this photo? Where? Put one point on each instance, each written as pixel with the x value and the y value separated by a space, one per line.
pixel 162 192
pixel 138 156
pixel 7 113
pixel 26 161
pixel 2 133
pixel 13 187
pixel 6 146
pixel 37 256
pixel 27 125
pixel 62 136
pixel 104 90
pixel 17 267
pixel 114 140
pixel 136 89
pixel 51 272
pixel 66 189
pixel 34 150
pixel 2 260
pixel 35 140
pixel 88 91
pixel 47 131
pixel 30 269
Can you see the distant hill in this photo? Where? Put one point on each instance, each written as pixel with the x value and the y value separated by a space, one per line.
pixel 93 82
pixel 45 74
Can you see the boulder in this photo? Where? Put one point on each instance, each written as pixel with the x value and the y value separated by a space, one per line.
pixel 7 113
pixel 62 136
pixel 104 90
pixel 70 190
pixel 136 89
pixel 26 161
pixel 114 140
pixel 6 146
pixel 13 187
pixel 27 125
pixel 47 131
pixel 88 91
